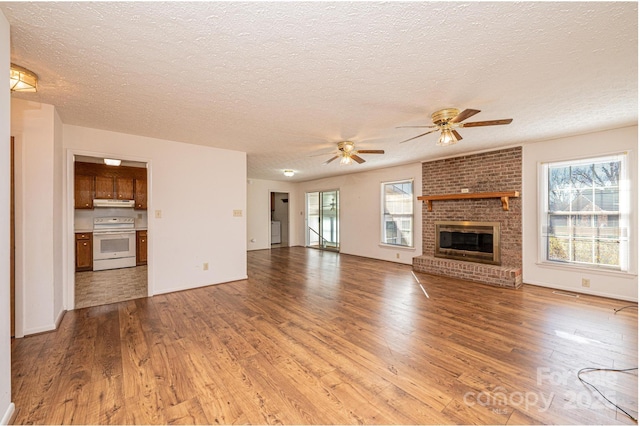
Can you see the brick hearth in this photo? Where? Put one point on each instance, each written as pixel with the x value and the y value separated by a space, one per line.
pixel 486 172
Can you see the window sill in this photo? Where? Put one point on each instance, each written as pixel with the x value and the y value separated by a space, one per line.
pixel 391 246
pixel 587 269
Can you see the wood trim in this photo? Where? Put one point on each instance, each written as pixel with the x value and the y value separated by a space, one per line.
pixel 504 197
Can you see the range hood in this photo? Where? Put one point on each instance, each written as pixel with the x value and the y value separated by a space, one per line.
pixel 113 203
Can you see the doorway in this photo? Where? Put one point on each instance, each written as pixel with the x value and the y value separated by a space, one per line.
pixel 323 209
pixel 110 231
pixel 279 219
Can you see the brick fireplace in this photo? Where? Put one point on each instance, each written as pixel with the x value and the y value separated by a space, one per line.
pixel 489 172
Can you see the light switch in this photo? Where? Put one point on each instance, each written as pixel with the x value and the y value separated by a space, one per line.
pixel 158 214
pixel 237 213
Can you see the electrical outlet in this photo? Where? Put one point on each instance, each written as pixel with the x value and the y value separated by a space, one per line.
pixel 397 255
pixel 205 266
pixel 465 190
pixel 237 213
pixel 586 282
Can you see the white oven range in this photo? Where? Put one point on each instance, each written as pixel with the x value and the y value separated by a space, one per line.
pixel 114 243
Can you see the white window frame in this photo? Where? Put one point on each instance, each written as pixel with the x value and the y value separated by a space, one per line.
pixel 403 216
pixel 623 212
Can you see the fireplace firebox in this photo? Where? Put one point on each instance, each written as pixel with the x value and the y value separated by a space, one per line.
pixel 470 241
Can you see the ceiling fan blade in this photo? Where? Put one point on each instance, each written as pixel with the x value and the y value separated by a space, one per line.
pixel 370 151
pixel 456 134
pixel 464 115
pixel 486 123
pixel 415 127
pixel 330 160
pixel 415 137
pixel 357 159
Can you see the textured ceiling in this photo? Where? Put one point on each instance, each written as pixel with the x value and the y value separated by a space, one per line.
pixel 284 81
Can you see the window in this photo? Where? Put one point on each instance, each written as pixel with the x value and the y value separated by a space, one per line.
pixel 585 212
pixel 397 213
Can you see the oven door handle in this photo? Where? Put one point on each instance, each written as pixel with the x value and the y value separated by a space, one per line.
pixel 99 233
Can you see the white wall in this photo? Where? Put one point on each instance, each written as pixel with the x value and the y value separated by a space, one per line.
pixel 259 212
pixel 609 284
pixel 195 189
pixel 360 211
pixel 6 406
pixel 38 217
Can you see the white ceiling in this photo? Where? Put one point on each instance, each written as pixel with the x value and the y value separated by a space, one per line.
pixel 284 81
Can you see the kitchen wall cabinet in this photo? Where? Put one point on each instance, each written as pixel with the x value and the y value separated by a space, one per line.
pixel 140 194
pixel 124 188
pixel 141 248
pixel 106 182
pixel 84 251
pixel 83 192
pixel 104 187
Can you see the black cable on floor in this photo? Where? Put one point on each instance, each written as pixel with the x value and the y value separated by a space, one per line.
pixel 584 382
pixel 625 307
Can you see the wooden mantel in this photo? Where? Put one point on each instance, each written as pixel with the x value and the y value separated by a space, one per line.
pixel 504 197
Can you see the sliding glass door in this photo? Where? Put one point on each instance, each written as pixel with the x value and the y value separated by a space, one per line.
pixel 322 220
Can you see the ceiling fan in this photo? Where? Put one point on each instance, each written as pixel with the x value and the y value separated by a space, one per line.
pixel 347 153
pixel 447 120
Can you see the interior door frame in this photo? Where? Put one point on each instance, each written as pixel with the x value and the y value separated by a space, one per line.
pixel 12 239
pixel 69 279
pixel 271 196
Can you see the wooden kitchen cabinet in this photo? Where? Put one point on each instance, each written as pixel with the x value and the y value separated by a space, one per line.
pixel 119 188
pixel 84 251
pixel 83 192
pixel 140 194
pixel 104 187
pixel 141 248
pixel 99 181
pixel 124 188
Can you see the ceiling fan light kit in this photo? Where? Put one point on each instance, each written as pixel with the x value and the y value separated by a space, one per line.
pixel 346 159
pixel 447 120
pixel 446 138
pixel 288 173
pixel 347 154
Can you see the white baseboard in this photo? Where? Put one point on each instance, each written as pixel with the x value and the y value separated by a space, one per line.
pixel 8 415
pixel 60 316
pixel 581 290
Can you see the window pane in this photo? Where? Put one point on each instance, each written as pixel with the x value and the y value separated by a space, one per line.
pixel 607 199
pixel 608 253
pixel 582 176
pixel 397 213
pixel 558 249
pixel 583 217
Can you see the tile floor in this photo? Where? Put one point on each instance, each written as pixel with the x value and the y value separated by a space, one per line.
pixel 110 286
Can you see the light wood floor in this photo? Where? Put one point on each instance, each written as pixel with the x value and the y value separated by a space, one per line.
pixel 318 337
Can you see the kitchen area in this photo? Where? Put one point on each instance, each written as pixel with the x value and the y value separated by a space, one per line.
pixel 110 224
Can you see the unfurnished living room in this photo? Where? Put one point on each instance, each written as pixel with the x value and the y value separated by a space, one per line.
pixel 319 213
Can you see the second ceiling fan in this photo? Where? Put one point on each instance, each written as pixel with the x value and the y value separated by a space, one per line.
pixel 447 120
pixel 347 153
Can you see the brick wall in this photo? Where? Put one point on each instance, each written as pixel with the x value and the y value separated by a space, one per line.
pixel 486 172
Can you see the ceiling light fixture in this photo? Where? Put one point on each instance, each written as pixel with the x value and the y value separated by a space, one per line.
pixel 112 162
pixel 346 159
pixel 288 173
pixel 447 138
pixel 22 80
